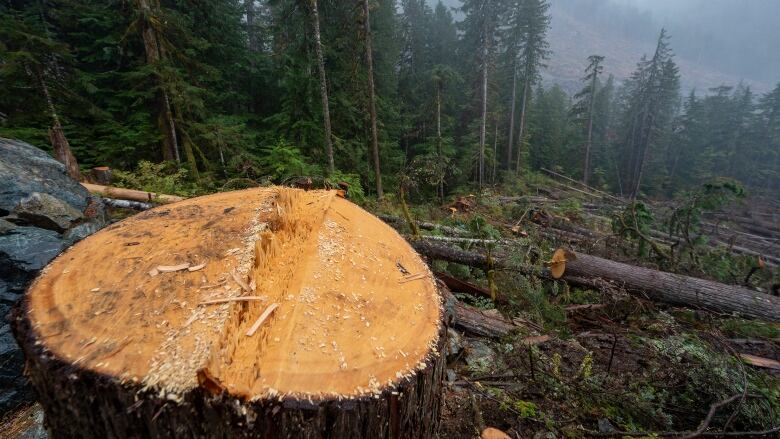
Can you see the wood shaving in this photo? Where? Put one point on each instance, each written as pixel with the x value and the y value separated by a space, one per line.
pixel 240 282
pixel 234 299
pixel 172 268
pixel 261 319
pixel 196 267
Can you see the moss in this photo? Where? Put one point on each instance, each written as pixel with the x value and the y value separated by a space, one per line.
pixel 750 328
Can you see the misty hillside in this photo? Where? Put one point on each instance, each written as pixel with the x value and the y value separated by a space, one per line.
pixel 715 41
pixel 622 35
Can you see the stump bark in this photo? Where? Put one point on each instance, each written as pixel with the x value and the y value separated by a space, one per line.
pixel 143 329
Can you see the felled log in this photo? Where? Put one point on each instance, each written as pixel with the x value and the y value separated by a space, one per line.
pixel 424 225
pixel 478 322
pixel 268 312
pixel 130 194
pixel 653 284
pixel 127 204
pixel 677 288
pixel 457 285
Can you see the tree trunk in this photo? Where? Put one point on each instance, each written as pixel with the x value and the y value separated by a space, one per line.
pixel 251 31
pixel 495 149
pixel 521 134
pixel 589 142
pixel 372 100
pixel 130 194
pixel 655 285
pixel 153 56
pixel 156 347
pixel 440 186
pixel 59 142
pixel 63 153
pixel 483 122
pixel 477 322
pixel 511 119
pixel 323 85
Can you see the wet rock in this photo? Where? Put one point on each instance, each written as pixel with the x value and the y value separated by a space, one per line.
pixel 47 212
pixel 36 430
pixel 605 426
pixel 481 357
pixel 28 249
pixel 42 212
pixel 6 226
pixel 451 375
pixel 25 169
pixel 454 342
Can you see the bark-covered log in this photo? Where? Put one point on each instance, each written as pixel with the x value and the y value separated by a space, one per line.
pixel 130 194
pixel 424 225
pixel 656 285
pixel 677 288
pixel 145 329
pixel 477 322
pixel 127 204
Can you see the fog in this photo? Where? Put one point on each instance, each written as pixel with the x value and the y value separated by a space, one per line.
pixel 736 37
pixel 716 41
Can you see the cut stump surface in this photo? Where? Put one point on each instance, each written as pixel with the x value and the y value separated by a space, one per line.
pixel 116 347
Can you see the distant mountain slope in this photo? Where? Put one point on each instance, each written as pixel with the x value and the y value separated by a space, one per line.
pixel 572 40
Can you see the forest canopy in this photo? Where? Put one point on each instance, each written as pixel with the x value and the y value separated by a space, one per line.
pixel 229 90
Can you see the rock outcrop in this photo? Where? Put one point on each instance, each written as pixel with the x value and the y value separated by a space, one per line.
pixel 42 212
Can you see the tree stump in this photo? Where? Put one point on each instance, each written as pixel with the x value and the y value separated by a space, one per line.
pixel 268 312
pixel 101 175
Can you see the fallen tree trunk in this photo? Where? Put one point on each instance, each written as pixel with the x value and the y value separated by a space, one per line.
pixel 677 288
pixel 127 204
pixel 130 194
pixel 653 284
pixel 424 225
pixel 256 313
pixel 477 322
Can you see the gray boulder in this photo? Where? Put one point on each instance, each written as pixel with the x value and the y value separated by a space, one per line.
pixel 42 212
pixel 28 249
pixel 25 169
pixel 47 212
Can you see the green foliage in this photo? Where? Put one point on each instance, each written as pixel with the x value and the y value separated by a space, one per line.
pixel 685 220
pixel 162 178
pixel 634 223
pixel 356 192
pixel 740 328
pixel 282 161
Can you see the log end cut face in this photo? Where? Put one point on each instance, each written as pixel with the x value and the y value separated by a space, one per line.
pixel 338 305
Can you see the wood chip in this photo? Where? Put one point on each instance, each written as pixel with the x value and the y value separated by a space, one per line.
pixel 539 339
pixel 261 319
pixel 234 299
pixel 757 361
pixel 240 281
pixel 196 267
pixel 173 268
pixel 412 277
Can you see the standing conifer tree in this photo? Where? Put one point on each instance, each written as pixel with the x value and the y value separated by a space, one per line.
pixel 651 93
pixel 372 98
pixel 533 22
pixel 480 24
pixel 323 84
pixel 585 106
